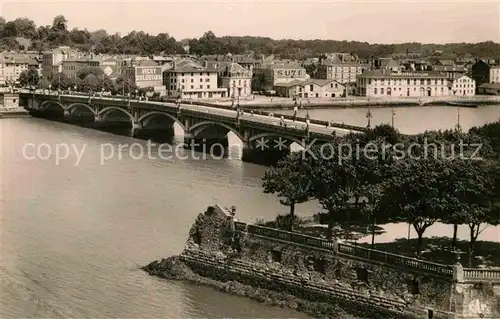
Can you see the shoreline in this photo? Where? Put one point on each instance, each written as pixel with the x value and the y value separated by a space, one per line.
pixel 357 102
pixel 13 113
pixel 175 268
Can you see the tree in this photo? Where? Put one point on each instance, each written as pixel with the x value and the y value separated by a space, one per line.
pixel 416 192
pixel 29 77
pixel 476 194
pixel 61 82
pixel 96 71
pixel 332 180
pixel 291 181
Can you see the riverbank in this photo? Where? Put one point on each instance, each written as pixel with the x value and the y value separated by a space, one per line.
pixel 262 102
pixel 13 112
pixel 175 268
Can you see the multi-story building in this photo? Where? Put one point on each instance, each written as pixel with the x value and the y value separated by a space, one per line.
pixel 71 67
pixel 480 72
pixel 12 65
pixel 334 68
pixel 281 73
pixel 452 72
pixel 232 76
pixel 379 83
pixel 52 60
pixel 112 67
pixel 188 80
pixel 311 88
pixel 145 74
pixel 463 85
pixel 494 76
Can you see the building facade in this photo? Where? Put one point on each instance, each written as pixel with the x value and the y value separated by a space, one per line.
pixel 71 67
pixel 480 72
pixel 52 60
pixel 311 88
pixel 145 74
pixel 494 76
pixel 463 86
pixel 282 73
pixel 237 80
pixel 342 72
pixel 11 67
pixel 191 81
pixel 378 83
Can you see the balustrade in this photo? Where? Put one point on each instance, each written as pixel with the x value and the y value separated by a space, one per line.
pixel 364 253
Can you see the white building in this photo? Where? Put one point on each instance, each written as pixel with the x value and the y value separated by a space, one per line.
pixel 463 86
pixel 495 74
pixel 311 88
pixel 379 83
pixel 188 80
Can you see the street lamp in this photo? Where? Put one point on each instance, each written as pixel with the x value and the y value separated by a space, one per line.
pixel 392 116
pixel 369 116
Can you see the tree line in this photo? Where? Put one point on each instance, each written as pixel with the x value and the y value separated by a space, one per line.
pixel 452 180
pixel 139 42
pixel 88 80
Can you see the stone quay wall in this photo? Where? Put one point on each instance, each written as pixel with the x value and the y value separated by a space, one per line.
pixel 331 278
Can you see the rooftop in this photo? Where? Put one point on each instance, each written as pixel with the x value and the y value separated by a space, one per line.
pixel 396 75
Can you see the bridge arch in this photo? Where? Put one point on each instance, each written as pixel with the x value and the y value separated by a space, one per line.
pixel 74 105
pixel 272 135
pixel 201 126
pixel 148 116
pixel 45 104
pixel 108 109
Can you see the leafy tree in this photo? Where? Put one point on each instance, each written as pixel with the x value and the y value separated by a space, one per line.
pixel 29 77
pixel 96 71
pixel 61 82
pixel 290 180
pixel 477 197
pixel 416 192
pixel 332 181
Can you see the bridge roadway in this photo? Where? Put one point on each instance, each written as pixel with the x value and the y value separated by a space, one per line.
pixel 246 116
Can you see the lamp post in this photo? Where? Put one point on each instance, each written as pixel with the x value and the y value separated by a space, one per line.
pixel 393 115
pixel 369 117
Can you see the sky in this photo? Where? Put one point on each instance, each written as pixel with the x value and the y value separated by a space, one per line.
pixel 369 20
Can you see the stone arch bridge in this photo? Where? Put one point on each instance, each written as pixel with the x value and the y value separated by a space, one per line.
pixel 202 125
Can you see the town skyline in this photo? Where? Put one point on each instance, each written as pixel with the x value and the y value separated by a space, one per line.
pixel 477 22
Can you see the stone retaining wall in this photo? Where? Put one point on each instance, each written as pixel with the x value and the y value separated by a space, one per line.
pixel 338 282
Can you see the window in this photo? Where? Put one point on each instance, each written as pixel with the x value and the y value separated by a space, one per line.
pixel 201 80
pixel 362 274
pixel 192 74
pixel 208 86
pixel 192 80
pixel 182 81
pixel 311 87
pixel 336 85
pixel 276 256
pixel 207 80
pixel 201 86
pixel 375 91
pixel 192 86
pixel 422 81
pixel 239 82
pixel 331 85
pixel 382 91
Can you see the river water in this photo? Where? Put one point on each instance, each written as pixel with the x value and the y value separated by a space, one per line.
pixel 74 236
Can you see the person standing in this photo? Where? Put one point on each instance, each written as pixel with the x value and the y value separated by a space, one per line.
pixel 295 112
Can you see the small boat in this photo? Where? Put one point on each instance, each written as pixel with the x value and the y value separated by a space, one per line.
pixel 474 106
